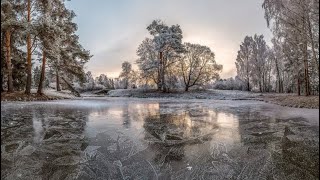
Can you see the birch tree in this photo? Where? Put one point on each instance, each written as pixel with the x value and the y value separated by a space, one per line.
pixel 243 61
pixel 297 19
pixel 259 59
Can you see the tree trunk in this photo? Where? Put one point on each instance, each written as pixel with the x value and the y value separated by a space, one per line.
pixel 278 75
pixel 305 58
pixel 186 88
pixel 125 84
pixel 29 68
pixel 159 83
pixel 263 83
pixel 112 84
pixel 298 85
pixel 260 88
pixel 3 58
pixel 57 81
pixel 164 89
pixel 269 79
pixel 43 69
pixel 75 92
pixel 248 75
pixel 8 60
pixel 162 73
pixel 2 81
pixel 306 71
pixel 314 54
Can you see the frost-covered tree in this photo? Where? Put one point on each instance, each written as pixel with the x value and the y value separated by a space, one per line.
pixel 72 56
pixel 243 61
pixel 48 33
pixel 126 73
pixel 277 57
pixel 168 44
pixel 119 83
pixel 89 81
pixel 198 65
pixel 61 46
pixel 103 80
pixel 254 63
pixel 10 25
pixel 228 84
pixel 29 47
pixel 148 62
pixel 259 58
pixel 135 79
pixel 43 30
pixel 297 21
pixel 36 75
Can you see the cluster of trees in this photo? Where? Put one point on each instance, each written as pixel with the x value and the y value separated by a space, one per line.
pixel 39 30
pixel 90 83
pixel 292 63
pixel 164 63
pixel 229 84
pixel 254 64
pixel 167 63
pixel 128 78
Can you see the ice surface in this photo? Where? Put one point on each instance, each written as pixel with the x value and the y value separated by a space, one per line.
pixel 118 138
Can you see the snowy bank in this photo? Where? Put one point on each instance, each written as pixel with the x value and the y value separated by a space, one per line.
pixel 290 100
pixel 192 94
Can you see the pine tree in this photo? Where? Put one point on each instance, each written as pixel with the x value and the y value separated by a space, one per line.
pixel 29 49
pixel 9 22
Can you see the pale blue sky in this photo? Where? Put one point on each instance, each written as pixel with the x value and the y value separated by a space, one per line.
pixel 113 29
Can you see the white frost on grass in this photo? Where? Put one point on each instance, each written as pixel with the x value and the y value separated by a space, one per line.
pixel 61 94
pixel 53 92
pixel 120 93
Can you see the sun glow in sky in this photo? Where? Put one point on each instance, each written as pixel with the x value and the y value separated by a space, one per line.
pixel 112 29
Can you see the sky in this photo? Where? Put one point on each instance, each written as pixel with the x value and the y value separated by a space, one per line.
pixel 113 29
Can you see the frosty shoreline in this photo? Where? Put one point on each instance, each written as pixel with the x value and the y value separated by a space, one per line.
pixel 289 100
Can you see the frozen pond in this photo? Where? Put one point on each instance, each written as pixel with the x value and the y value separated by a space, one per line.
pixel 117 138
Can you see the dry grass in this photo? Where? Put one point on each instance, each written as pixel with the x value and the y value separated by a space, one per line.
pixel 21 96
pixel 311 102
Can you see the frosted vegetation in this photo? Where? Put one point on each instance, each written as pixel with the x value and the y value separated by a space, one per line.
pixel 194 125
pixel 165 62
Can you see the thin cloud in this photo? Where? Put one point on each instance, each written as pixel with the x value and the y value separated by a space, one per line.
pixel 112 30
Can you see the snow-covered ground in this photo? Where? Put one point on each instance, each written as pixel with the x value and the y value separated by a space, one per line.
pixel 62 94
pixel 290 100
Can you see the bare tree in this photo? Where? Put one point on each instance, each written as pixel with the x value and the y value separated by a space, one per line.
pixel 198 65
